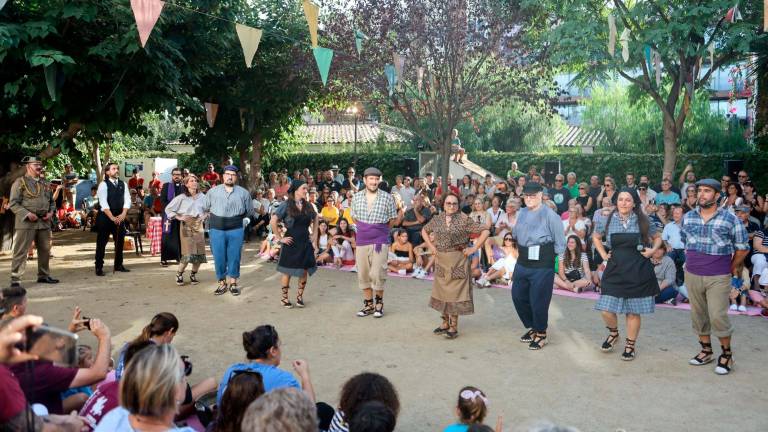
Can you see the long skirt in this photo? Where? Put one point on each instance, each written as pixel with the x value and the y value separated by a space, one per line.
pixel 192 242
pixel 452 288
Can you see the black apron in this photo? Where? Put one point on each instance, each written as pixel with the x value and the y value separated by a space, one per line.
pixel 628 274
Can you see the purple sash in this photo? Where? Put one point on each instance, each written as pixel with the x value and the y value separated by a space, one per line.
pixel 372 234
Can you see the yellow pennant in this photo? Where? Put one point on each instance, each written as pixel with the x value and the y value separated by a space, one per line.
pixel 312 11
pixel 249 40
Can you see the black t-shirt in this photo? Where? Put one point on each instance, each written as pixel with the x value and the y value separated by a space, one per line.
pixel 332 185
pixel 560 197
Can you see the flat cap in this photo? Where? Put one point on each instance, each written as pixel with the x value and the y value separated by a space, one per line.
pixel 710 183
pixel 232 168
pixel 532 188
pixel 31 159
pixel 742 208
pixel 371 171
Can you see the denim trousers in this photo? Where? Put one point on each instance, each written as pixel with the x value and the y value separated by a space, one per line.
pixel 226 247
pixel 531 294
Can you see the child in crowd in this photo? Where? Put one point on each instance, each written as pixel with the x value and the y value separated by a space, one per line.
pixel 425 261
pixel 74 398
pixel 270 247
pixel 505 266
pixel 343 244
pixel 322 243
pixel 471 409
pixel 401 257
pixel 739 286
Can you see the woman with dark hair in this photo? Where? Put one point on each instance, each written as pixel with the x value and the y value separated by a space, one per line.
pixel 753 199
pixel 263 350
pixel 189 209
pixel 161 330
pixel 358 390
pixel 297 254
pixel 629 283
pixel 733 197
pixel 690 199
pixel 244 387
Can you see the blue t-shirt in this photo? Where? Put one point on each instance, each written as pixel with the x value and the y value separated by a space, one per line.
pixel 458 427
pixel 273 377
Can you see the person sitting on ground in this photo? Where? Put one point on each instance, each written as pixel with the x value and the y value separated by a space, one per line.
pixel 270 247
pixel 343 244
pixel 244 388
pixel 362 388
pixel 576 224
pixel 425 260
pixel 401 257
pixel 733 198
pixel 504 267
pixel 416 217
pixel 13 302
pixel 739 288
pixel 74 398
pixel 281 410
pixel 457 150
pixel 471 409
pixel 573 273
pixel 68 217
pixel 666 276
pixel 150 393
pixel 330 212
pixel 508 220
pixel 322 244
pixel 373 416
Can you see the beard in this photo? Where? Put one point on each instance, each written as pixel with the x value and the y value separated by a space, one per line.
pixel 706 204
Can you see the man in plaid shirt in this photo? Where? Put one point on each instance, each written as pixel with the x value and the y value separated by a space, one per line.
pixel 715 245
pixel 375 213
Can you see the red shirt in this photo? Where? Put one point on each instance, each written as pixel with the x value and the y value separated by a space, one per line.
pixel 45 382
pixel 212 178
pixel 103 400
pixel 452 188
pixel 134 182
pixel 12 399
pixel 156 183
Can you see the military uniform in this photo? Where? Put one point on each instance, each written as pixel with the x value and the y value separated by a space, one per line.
pixel 31 195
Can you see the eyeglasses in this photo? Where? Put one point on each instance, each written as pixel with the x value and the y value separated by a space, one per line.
pixel 581 188
pixel 607 185
pixel 452 203
pixel 642 188
pixel 350 172
pixel 558 180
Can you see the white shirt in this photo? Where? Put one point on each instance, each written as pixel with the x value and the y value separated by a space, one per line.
pixel 101 192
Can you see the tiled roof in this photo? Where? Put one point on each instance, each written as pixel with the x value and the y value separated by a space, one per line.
pixel 574 136
pixel 341 133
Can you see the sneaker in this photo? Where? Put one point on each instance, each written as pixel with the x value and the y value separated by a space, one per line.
pixel 483 282
pixel 354 269
pixel 742 308
pixel 402 272
pixel 422 274
pixel 416 272
pixel 672 301
pixel 733 307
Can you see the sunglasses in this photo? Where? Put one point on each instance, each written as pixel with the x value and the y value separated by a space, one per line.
pixel 507 238
pixel 642 188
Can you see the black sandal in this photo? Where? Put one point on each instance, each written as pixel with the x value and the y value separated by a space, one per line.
pixel 538 341
pixel 234 289
pixel 528 336
pixel 285 302
pixel 300 294
pixel 222 288
pixel 629 350
pixel 378 309
pixel 179 278
pixel 193 278
pixel 724 362
pixel 452 324
pixel 441 330
pixel 610 341
pixel 367 308
pixel 704 356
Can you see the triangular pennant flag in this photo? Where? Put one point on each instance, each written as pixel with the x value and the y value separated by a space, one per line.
pixel 765 16
pixel 2 3
pixel 312 11
pixel 211 109
pixel 647 50
pixel 419 78
pixel 360 37
pixel 611 35
pixel 146 13
pixel 50 79
pixel 389 71
pixel 624 40
pixel 711 49
pixel 242 118
pixel 399 63
pixel 733 14
pixel 323 57
pixel 249 40
pixel 657 67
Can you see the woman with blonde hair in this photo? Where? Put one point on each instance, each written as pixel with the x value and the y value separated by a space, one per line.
pixel 151 390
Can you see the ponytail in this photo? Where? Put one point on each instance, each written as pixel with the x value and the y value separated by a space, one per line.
pixel 160 324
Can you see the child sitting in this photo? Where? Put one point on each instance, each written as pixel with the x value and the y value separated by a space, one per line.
pixel 503 267
pixel 322 243
pixel 400 253
pixel 270 247
pixel 471 409
pixel 74 398
pixel 343 244
pixel 739 286
pixel 425 261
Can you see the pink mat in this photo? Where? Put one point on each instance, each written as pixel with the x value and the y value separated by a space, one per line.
pixel 587 295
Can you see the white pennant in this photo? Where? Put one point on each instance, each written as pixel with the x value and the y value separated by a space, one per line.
pixel 611 35
pixel 249 40
pixel 624 39
pixel 657 67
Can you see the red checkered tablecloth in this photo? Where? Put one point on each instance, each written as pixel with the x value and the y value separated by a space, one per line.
pixel 155 234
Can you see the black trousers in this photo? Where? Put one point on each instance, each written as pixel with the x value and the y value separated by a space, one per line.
pixel 103 231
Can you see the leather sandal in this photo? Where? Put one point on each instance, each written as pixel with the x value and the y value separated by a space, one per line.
pixel 538 341
pixel 629 350
pixel 222 288
pixel 444 326
pixel 300 294
pixel 284 301
pixel 610 341
pixel 528 336
pixel 704 356
pixel 452 332
pixel 724 362
pixel 378 309
pixel 367 308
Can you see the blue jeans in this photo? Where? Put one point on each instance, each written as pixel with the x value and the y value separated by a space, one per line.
pixel 667 293
pixel 226 247
pixel 531 294
pixel 678 256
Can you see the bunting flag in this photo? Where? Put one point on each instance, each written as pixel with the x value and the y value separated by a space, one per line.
pixel 389 71
pixel 765 15
pixel 242 118
pixel 146 13
pixel 733 14
pixel 312 11
pixel 624 40
pixel 50 79
pixel 611 35
pixel 323 57
pixel 360 37
pixel 711 49
pixel 647 51
pixel 211 109
pixel 399 63
pixel 249 40
pixel 2 4
pixel 657 67
pixel 419 78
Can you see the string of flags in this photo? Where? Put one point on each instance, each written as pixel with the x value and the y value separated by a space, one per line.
pixel 611 34
pixel 733 14
pixel 2 3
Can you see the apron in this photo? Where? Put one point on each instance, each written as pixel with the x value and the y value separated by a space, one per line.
pixel 628 274
pixel 300 255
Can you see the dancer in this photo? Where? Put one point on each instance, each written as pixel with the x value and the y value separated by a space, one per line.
pixel 189 210
pixel 629 284
pixel 170 249
pixel 375 213
pixel 228 204
pixel 115 200
pixel 32 203
pixel 715 245
pixel 297 253
pixel 540 238
pixel 452 288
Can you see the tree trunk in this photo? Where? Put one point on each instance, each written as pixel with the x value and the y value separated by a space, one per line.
pixel 670 144
pixel 761 112
pixel 445 164
pixel 256 145
pixel 95 153
pixel 245 165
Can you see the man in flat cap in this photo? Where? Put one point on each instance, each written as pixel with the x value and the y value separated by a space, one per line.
pixel 375 213
pixel 32 203
pixel 715 245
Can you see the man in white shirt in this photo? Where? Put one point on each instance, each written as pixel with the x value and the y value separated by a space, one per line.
pixel 115 200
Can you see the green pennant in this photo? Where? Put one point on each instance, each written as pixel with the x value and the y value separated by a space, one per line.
pixel 359 38
pixel 648 59
pixel 323 57
pixel 50 80
pixel 389 71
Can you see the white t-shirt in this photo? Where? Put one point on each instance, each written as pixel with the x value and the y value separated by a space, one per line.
pixel 117 421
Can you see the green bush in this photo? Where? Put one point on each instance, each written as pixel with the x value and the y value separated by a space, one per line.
pixel 390 164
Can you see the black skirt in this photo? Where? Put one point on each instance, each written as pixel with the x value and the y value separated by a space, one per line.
pixel 628 274
pixel 299 256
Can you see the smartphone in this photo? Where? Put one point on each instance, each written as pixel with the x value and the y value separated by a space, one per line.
pixel 52 344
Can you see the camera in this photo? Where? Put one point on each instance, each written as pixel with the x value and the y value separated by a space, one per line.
pixel 87 322
pixel 187 365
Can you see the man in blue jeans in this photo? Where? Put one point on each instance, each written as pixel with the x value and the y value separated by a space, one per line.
pixel 228 204
pixel 540 239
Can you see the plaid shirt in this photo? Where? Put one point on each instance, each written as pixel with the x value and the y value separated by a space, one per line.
pixel 721 235
pixel 382 211
pixel 617 227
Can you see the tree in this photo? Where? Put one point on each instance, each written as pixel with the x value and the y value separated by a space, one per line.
pixel 680 31
pixel 459 56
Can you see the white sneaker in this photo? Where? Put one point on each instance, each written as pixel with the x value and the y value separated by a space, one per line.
pixel 483 282
pixel 416 272
pixel 354 269
pixel 742 308
pixel 733 307
pixel 422 274
pixel 402 272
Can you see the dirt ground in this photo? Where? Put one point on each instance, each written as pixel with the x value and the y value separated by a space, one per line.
pixel 569 382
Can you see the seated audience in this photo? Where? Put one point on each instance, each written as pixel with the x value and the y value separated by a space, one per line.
pixel 270 247
pixel 573 273
pixel 739 288
pixel 343 244
pixel 401 257
pixel 281 410
pixel 666 275
pixel 471 408
pixel 373 416
pixel 13 302
pixel 322 244
pixel 416 217
pixel 505 266
pixel 330 212
pixel 362 388
pixel 425 261
pixel 244 388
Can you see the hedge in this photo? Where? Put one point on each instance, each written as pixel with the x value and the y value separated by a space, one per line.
pixel 584 165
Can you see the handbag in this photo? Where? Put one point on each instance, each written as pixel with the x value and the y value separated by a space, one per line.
pixel 573 275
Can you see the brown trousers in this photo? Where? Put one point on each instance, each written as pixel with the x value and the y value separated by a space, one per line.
pixel 22 240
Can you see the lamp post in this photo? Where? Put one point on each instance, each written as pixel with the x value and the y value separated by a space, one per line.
pixel 353 110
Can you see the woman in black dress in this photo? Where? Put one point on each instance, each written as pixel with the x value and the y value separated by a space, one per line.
pixel 629 284
pixel 297 254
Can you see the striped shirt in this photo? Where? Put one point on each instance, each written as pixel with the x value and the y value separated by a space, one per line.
pixel 721 235
pixel 382 210
pixel 221 203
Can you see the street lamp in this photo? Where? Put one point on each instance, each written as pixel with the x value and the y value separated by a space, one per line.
pixel 353 110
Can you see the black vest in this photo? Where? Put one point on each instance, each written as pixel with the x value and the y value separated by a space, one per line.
pixel 115 196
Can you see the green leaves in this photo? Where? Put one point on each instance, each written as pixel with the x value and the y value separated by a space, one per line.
pixel 43 57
